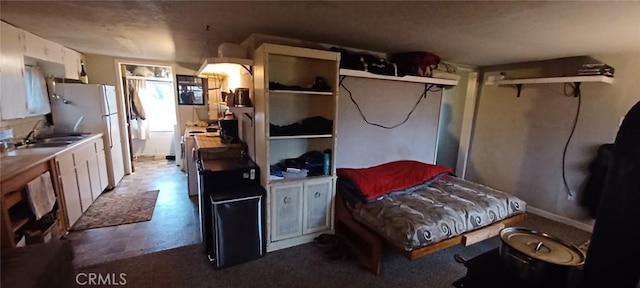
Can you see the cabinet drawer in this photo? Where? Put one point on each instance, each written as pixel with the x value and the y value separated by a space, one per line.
pixel 83 154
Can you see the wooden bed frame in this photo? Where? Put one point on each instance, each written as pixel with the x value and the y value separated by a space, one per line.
pixel 347 228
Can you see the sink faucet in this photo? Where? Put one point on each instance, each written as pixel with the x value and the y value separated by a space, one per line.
pixel 28 139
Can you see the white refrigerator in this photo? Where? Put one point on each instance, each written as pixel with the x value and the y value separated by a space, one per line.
pixel 91 108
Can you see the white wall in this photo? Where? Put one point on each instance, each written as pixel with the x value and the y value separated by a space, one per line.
pixel 386 103
pixel 450 125
pixel 102 69
pixel 517 143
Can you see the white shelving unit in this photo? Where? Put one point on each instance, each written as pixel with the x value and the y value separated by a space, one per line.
pixel 575 80
pixel 298 210
pixel 412 79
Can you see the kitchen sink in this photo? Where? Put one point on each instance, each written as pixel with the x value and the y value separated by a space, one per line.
pixel 52 139
pixel 48 144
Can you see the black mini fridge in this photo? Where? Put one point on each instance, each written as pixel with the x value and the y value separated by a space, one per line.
pixel 232 205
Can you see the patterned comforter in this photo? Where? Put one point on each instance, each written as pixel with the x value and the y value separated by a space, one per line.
pixel 445 208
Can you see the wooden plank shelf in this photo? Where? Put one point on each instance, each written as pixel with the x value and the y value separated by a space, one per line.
pixel 305 92
pixel 573 79
pixel 300 137
pixel 299 179
pixel 411 79
pixel 17 224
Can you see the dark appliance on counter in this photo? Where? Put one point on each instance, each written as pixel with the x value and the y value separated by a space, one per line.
pixel 231 203
pixel 229 130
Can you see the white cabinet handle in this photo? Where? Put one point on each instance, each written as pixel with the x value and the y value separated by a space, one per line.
pixel 316 195
pixel 287 200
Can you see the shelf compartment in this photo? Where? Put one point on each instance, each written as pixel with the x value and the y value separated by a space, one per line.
pixel 573 79
pixel 18 223
pixel 411 79
pixel 271 181
pixel 300 137
pixel 306 92
pixel 13 198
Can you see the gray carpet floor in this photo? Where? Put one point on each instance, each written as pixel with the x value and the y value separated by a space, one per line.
pixel 306 266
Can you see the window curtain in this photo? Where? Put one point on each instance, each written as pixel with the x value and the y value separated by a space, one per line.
pixel 138 122
pixel 37 100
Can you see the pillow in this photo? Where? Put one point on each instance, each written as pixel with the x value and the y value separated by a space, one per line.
pixel 393 176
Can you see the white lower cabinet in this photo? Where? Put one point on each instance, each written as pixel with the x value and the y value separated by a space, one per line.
pixel 83 176
pixel 286 210
pixel 69 183
pixel 102 170
pixel 299 210
pixel 94 176
pixel 317 206
pixel 84 186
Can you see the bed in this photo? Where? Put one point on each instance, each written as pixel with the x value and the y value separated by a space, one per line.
pixel 416 209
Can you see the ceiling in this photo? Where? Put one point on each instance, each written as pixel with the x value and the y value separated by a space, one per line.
pixel 473 33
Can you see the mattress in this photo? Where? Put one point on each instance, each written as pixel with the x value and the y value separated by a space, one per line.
pixel 443 209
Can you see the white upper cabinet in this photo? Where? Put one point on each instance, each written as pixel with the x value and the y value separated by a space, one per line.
pixel 12 86
pixel 19 49
pixel 39 48
pixel 71 64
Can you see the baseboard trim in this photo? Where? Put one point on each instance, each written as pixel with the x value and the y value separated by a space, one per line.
pixel 561 219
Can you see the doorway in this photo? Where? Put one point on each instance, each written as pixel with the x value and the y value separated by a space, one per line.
pixel 149 92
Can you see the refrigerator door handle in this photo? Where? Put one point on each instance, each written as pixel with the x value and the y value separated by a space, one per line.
pixel 110 132
pixel 106 99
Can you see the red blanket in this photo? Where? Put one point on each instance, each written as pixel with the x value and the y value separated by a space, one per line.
pixel 393 176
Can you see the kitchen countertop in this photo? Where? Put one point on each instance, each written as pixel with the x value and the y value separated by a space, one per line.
pixel 18 160
pixel 199 131
pixel 206 142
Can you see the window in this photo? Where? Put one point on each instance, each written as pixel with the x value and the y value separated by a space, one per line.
pixel 159 105
pixel 37 99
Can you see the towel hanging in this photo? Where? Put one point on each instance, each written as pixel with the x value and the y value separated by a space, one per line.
pixel 40 195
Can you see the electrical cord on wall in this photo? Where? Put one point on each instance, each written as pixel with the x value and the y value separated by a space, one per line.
pixel 423 95
pixel 575 93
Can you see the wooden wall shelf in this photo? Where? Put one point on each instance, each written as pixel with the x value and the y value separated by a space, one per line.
pixel 411 79
pixel 573 79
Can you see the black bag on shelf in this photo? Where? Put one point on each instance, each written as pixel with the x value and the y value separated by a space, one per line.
pixel 348 59
pixel 377 65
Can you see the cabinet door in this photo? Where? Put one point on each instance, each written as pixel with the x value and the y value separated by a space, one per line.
pixel 43 49
pixel 286 211
pixel 70 193
pixel 192 167
pixel 102 170
pixel 35 47
pixel 13 93
pixel 54 53
pixel 94 177
pixel 317 205
pixel 84 185
pixel 71 64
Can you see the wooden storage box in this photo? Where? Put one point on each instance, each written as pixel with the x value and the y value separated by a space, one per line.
pixel 37 236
